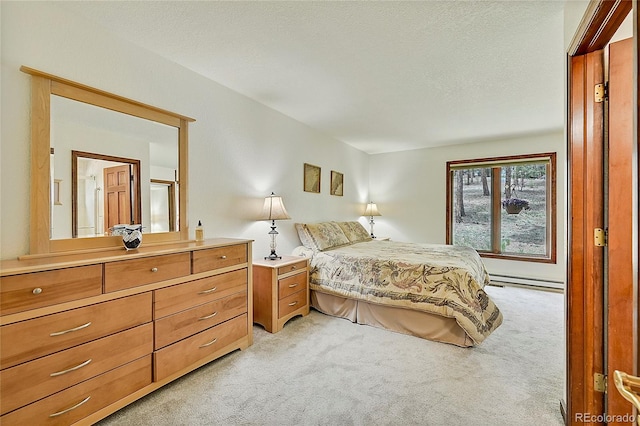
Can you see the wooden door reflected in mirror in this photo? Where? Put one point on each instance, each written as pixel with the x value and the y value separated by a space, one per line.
pixel 105 192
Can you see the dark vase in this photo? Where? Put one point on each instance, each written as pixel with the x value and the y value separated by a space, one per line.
pixel 132 237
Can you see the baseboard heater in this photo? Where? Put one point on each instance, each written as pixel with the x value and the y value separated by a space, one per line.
pixel 497 279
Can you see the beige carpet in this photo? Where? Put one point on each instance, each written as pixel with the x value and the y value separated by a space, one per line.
pixel 321 370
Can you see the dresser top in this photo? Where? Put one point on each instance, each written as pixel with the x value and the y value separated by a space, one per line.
pixel 36 263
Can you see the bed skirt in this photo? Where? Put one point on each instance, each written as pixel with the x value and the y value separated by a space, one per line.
pixel 416 323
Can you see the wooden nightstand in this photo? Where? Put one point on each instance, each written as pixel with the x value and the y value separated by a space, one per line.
pixel 280 291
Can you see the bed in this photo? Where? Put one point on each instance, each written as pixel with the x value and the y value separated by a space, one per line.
pixel 431 291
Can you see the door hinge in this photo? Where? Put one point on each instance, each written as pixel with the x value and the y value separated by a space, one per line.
pixel 599 382
pixel 601 93
pixel 599 237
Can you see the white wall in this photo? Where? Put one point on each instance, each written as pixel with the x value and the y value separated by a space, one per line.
pixel 239 150
pixel 410 190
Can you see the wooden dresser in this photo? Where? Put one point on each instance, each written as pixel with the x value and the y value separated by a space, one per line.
pixel 83 335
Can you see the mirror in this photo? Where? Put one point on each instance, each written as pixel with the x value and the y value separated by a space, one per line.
pixel 81 138
pixel 88 144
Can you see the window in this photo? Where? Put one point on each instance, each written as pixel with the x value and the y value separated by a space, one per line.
pixel 504 207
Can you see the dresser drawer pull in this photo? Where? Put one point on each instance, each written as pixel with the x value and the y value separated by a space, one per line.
pixel 293 303
pixel 80 327
pixel 293 285
pixel 69 370
pixel 37 290
pixel 211 290
pixel 210 343
pixel 208 316
pixel 293 268
pixel 223 257
pixel 154 269
pixel 59 413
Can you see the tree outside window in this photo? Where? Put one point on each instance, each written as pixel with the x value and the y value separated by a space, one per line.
pixel 504 207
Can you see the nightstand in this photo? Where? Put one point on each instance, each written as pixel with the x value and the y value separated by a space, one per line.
pixel 280 291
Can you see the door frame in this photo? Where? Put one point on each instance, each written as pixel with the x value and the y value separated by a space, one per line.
pixel 584 308
pixel 136 189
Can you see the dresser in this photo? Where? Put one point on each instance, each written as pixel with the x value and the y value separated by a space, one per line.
pixel 281 291
pixel 83 335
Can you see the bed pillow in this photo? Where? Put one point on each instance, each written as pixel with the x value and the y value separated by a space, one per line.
pixel 321 236
pixel 354 231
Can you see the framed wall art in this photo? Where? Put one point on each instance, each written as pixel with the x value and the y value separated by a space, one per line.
pixel 311 178
pixel 337 180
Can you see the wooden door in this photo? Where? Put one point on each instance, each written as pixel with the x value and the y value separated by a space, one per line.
pixel 620 245
pixel 117 195
pixel 585 274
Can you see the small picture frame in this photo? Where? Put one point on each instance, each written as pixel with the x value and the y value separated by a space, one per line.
pixel 311 178
pixel 337 181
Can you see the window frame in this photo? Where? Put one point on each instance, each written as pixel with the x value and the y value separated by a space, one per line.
pixel 496 206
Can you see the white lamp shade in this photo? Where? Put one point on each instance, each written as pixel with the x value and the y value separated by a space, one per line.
pixel 273 209
pixel 371 210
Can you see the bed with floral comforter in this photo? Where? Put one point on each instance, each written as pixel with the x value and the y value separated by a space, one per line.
pixel 443 280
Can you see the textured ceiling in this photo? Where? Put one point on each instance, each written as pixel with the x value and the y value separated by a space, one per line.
pixel 381 76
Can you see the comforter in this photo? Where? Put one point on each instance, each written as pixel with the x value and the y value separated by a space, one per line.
pixel 441 279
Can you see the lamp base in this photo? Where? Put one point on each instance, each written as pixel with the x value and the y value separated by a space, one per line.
pixel 273 256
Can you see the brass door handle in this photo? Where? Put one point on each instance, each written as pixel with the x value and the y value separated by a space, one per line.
pixel 623 383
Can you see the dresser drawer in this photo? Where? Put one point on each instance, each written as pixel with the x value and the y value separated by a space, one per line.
pixel 135 272
pixel 219 257
pixel 27 340
pixel 44 376
pixel 302 265
pixel 79 401
pixel 293 284
pixel 186 323
pixel 177 298
pixel 178 356
pixel 35 290
pixel 292 303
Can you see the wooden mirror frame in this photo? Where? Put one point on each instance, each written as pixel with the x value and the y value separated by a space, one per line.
pixel 44 85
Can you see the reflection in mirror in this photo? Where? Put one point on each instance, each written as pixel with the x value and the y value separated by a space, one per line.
pixel 163 213
pixel 105 192
pixel 104 138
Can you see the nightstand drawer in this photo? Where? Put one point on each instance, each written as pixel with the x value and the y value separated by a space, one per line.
pixel 293 284
pixel 177 298
pixel 220 257
pixel 64 369
pixel 37 289
pixel 79 401
pixel 292 303
pixel 171 359
pixel 136 272
pixel 299 266
pixel 60 331
pixel 186 323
